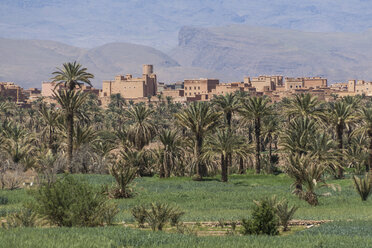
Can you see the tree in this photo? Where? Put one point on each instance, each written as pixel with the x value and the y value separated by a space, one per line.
pixel 200 120
pixel 142 130
pixel 366 116
pixel 304 169
pixel 71 76
pixel 304 105
pixel 256 108
pixel 339 115
pixel 70 101
pixel 228 104
pixel 224 143
pixel 50 119
pixel 171 150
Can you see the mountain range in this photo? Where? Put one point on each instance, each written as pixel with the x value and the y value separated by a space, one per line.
pixel 228 53
pixel 225 39
pixel 156 23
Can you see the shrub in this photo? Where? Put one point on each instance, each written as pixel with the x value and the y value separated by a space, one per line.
pixel 363 186
pixel 263 221
pixel 124 176
pixel 3 200
pixel 285 213
pixel 139 213
pixel 70 202
pixel 158 215
pixel 24 218
pixel 175 216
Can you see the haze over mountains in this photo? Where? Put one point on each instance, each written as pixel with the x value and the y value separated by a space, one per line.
pixel 156 23
pixel 225 39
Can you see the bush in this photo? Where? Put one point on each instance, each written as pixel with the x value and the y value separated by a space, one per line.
pixel 263 221
pixel 3 200
pixel 139 213
pixel 157 216
pixel 175 216
pixel 363 186
pixel 124 176
pixel 70 202
pixel 285 213
pixel 24 218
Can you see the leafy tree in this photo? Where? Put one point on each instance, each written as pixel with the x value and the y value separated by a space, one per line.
pixel 71 76
pixel 256 108
pixel 142 130
pixel 223 142
pixel 339 115
pixel 200 120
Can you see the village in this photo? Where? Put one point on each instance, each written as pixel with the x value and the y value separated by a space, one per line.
pixel 148 89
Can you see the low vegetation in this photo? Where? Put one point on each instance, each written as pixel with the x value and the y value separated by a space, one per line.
pixel 183 170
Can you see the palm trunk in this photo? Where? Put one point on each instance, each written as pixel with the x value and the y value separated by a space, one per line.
pixel 223 168
pixel 70 135
pixel 339 130
pixel 369 165
pixel 241 165
pixel 199 166
pixel 167 165
pixel 258 144
pixel 270 154
pixel 162 167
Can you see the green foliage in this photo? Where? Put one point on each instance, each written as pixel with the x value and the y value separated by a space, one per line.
pixel 263 220
pixel 139 213
pixel 70 202
pixel 124 175
pixel 4 200
pixel 175 216
pixel 23 218
pixel 285 213
pixel 363 186
pixel 157 215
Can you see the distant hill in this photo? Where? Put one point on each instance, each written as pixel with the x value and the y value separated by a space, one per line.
pixel 239 50
pixel 155 23
pixel 29 62
pixel 228 53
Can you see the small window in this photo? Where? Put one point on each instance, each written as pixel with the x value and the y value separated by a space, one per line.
pixel 194 87
pixel 198 87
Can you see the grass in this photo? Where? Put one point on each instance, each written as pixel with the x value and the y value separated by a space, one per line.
pixel 209 200
pixel 212 200
pixel 337 235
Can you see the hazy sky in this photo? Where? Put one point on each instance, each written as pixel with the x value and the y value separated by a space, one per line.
pixel 156 23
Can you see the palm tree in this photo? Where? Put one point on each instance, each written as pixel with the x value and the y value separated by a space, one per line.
pixel 228 104
pixel 142 130
pixel 270 131
pixel 256 108
pixel 200 120
pixel 171 142
pixel 304 105
pixel 340 114
pixel 72 75
pixel 17 142
pixel 306 171
pixel 298 135
pixel 70 101
pixel 225 143
pixel 366 116
pixel 50 118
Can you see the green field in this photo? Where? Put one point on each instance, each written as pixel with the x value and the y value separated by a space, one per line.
pixel 209 200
